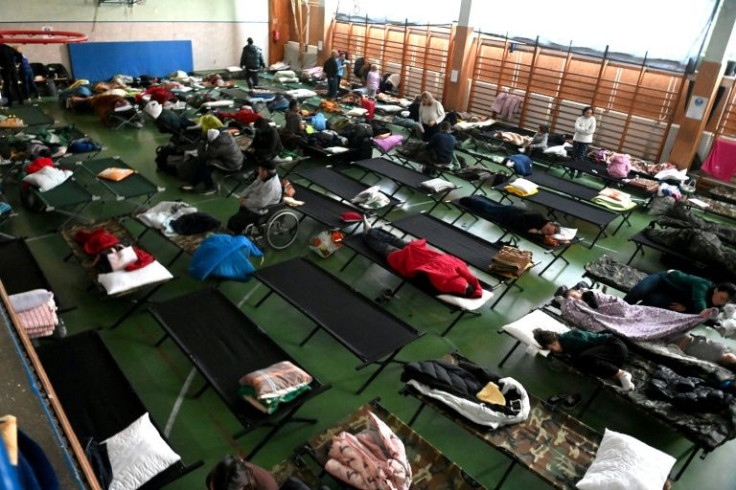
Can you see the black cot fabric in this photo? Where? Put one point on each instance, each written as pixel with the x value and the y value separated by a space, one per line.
pixel 320 207
pixel 19 270
pixel 337 183
pixel 563 185
pixel 97 397
pixel 368 331
pixel 224 345
pixel 395 172
pixel 467 247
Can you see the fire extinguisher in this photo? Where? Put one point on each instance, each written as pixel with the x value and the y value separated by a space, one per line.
pixel 276 35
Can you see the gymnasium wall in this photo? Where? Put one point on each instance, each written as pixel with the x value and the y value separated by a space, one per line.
pixel 218 29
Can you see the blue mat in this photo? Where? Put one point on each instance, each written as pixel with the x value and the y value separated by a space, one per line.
pixel 101 61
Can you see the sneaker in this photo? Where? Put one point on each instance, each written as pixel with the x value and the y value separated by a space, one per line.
pixel 186 188
pixel 208 191
pixel 626 382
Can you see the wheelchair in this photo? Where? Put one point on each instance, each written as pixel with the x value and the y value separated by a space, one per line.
pixel 279 227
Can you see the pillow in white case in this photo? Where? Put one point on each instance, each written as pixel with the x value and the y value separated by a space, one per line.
pixel 625 463
pixel 137 454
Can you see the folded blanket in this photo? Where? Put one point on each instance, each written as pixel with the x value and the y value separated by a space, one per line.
pixel 522 187
pixel 39 321
pixel 614 204
pixel 267 388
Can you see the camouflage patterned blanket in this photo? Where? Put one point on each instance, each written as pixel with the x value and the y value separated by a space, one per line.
pixel 610 272
pixel 553 445
pixel 431 469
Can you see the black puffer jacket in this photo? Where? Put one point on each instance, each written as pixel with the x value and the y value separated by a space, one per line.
pixel 687 393
pixel 463 379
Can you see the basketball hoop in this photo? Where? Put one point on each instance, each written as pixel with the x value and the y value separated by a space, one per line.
pixel 43 37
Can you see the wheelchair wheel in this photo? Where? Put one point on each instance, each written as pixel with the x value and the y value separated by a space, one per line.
pixel 282 229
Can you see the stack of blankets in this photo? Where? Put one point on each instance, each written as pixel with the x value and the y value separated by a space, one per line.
pixel 266 389
pixel 36 312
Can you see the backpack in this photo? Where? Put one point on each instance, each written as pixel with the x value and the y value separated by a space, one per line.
pixel 361 133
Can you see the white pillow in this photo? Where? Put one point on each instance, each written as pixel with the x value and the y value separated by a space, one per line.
pixel 625 463
pixel 137 454
pixel 47 178
pixel 357 112
pixel 468 304
pixel 525 186
pixel 436 185
pixel 122 281
pixel 30 299
pixel 522 329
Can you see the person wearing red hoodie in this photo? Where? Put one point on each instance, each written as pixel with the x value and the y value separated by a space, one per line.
pixel 437 272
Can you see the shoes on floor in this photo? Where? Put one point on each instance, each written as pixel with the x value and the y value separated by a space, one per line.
pixel 208 191
pixel 564 400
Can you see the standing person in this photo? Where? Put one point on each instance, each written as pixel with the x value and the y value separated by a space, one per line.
pixel 27 76
pixel 252 61
pixel 373 80
pixel 341 62
pixel 8 59
pixel 330 69
pixel 431 114
pixel 584 129
pixel 599 354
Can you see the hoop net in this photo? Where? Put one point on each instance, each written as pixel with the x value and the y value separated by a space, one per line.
pixel 41 37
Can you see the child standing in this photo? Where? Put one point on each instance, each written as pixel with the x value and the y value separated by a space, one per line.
pixel 373 80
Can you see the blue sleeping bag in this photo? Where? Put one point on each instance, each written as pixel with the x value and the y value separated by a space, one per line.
pixel 522 164
pixel 224 256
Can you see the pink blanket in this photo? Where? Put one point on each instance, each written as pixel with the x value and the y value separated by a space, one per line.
pixel 387 144
pixel 721 162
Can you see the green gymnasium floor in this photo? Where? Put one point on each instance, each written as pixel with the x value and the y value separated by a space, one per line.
pixel 203 426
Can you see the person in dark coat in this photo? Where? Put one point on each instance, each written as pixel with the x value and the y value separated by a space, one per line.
pixel 598 354
pixel 217 151
pixel 330 69
pixel 266 144
pixel 9 57
pixel 251 60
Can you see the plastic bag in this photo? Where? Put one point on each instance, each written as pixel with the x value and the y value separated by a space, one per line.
pixel 326 243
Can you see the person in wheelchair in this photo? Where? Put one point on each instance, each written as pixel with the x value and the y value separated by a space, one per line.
pixel 254 202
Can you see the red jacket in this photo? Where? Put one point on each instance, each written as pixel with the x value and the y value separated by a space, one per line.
pixel 446 273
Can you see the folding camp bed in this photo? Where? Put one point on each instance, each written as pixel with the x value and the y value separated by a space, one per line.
pixel 706 431
pixel 431 469
pixel 559 204
pixel 98 399
pixel 462 307
pixel 225 345
pixel 340 153
pixel 126 115
pixel 597 170
pixel 370 333
pixel 557 252
pixel 534 444
pixel 723 208
pixel 135 186
pixel 320 207
pixel 32 116
pixel 609 272
pixel 20 271
pixel 185 244
pixel 467 247
pixel 403 177
pixel 69 198
pixel 344 187
pixel 576 191
pixel 89 263
pixel 487 134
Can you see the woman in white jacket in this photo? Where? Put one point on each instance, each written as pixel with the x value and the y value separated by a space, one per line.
pixel 431 114
pixel 584 129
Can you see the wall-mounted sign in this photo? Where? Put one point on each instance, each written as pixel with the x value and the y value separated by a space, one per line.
pixel 696 107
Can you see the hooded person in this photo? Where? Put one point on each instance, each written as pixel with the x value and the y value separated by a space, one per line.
pixel 218 150
pixel 266 143
pixel 167 121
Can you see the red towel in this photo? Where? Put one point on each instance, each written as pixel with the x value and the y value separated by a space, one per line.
pixel 721 162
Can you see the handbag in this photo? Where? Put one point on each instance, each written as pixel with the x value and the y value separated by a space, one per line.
pixel 510 261
pixel 326 243
pixel 121 257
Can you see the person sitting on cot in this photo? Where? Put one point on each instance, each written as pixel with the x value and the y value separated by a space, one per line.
pixel 598 354
pixel 266 143
pixel 597 312
pixel 218 150
pixel 433 271
pixel 677 291
pixel 538 143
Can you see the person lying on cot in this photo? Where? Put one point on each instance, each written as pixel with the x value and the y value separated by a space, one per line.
pixel 433 271
pixel 254 202
pixel 598 354
pixel 513 217
pixel 597 312
pixel 166 120
pixel 218 150
pixel 677 291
